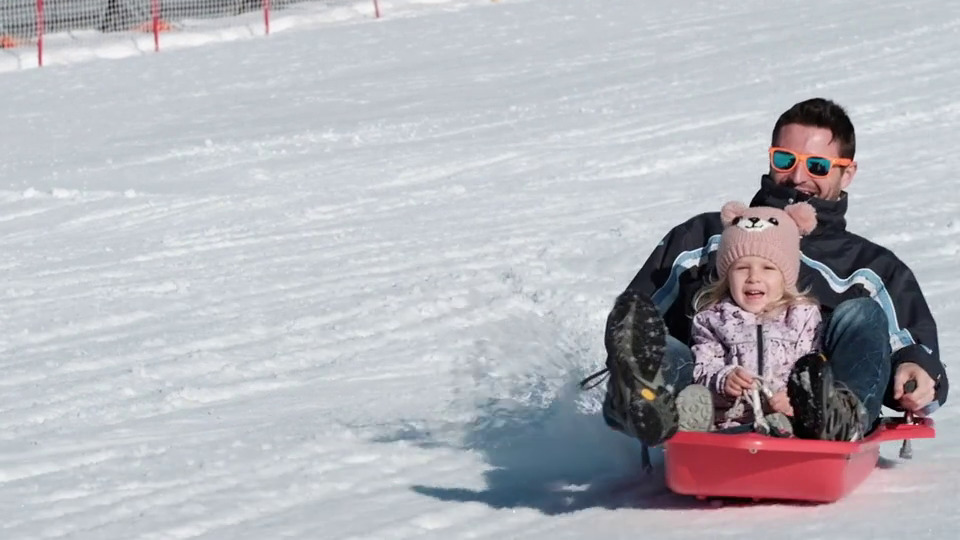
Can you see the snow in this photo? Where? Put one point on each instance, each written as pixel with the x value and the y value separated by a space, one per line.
pixel 339 282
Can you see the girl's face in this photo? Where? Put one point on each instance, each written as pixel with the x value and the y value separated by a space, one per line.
pixel 755 283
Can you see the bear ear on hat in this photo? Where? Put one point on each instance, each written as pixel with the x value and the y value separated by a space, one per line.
pixel 731 211
pixel 804 215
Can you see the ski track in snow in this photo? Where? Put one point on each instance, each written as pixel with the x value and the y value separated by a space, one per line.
pixel 351 299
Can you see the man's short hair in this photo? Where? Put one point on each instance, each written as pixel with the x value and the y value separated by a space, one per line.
pixel 821 113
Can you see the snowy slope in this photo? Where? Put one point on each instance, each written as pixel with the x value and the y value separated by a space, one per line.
pixel 339 282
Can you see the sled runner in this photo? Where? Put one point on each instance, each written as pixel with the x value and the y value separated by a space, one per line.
pixel 754 466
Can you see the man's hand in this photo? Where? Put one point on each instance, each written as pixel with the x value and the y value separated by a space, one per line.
pixel 738 381
pixel 922 395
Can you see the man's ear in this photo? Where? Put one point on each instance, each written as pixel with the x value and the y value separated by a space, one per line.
pixel 847 177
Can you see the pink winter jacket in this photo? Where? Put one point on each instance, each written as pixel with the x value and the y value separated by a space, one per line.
pixel 726 336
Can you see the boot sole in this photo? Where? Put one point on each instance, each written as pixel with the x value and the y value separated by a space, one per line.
pixel 808 389
pixel 653 411
pixel 695 409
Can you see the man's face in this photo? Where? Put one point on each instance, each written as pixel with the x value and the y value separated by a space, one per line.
pixel 814 141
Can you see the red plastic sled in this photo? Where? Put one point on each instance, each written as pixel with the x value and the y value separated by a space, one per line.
pixel 759 467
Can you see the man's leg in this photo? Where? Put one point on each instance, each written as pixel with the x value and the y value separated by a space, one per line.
pixel 677 372
pixel 838 395
pixel 638 401
pixel 857 344
pixel 677 366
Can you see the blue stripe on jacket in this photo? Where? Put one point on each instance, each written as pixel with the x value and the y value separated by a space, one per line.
pixel 666 295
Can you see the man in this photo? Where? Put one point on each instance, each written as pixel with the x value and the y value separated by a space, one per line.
pixel 878 333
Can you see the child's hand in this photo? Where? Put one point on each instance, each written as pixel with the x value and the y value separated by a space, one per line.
pixel 738 381
pixel 780 403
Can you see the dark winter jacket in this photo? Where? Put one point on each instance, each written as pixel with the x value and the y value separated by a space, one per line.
pixel 837 265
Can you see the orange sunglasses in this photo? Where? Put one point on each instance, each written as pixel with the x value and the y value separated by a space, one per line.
pixel 783 160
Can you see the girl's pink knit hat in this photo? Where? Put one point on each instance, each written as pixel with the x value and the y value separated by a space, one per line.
pixel 767 232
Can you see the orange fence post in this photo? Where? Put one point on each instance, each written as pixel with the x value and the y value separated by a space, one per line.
pixel 266 16
pixel 40 30
pixel 155 14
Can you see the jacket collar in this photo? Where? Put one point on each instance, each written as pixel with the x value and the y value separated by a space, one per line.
pixel 831 215
pixel 729 308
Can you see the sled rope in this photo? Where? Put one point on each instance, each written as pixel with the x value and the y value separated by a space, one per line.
pixel 753 397
pixel 589 384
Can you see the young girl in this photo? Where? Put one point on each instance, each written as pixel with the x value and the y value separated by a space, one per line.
pixel 752 324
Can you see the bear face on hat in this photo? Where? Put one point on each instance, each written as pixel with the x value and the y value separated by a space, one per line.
pixel 766 232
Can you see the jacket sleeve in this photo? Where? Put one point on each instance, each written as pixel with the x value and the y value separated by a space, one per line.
pixel 710 367
pixel 811 328
pixel 672 273
pixel 913 332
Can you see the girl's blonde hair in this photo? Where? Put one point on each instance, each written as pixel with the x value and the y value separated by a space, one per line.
pixel 717 290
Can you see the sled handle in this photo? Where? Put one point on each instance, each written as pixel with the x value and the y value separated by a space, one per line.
pixel 906 449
